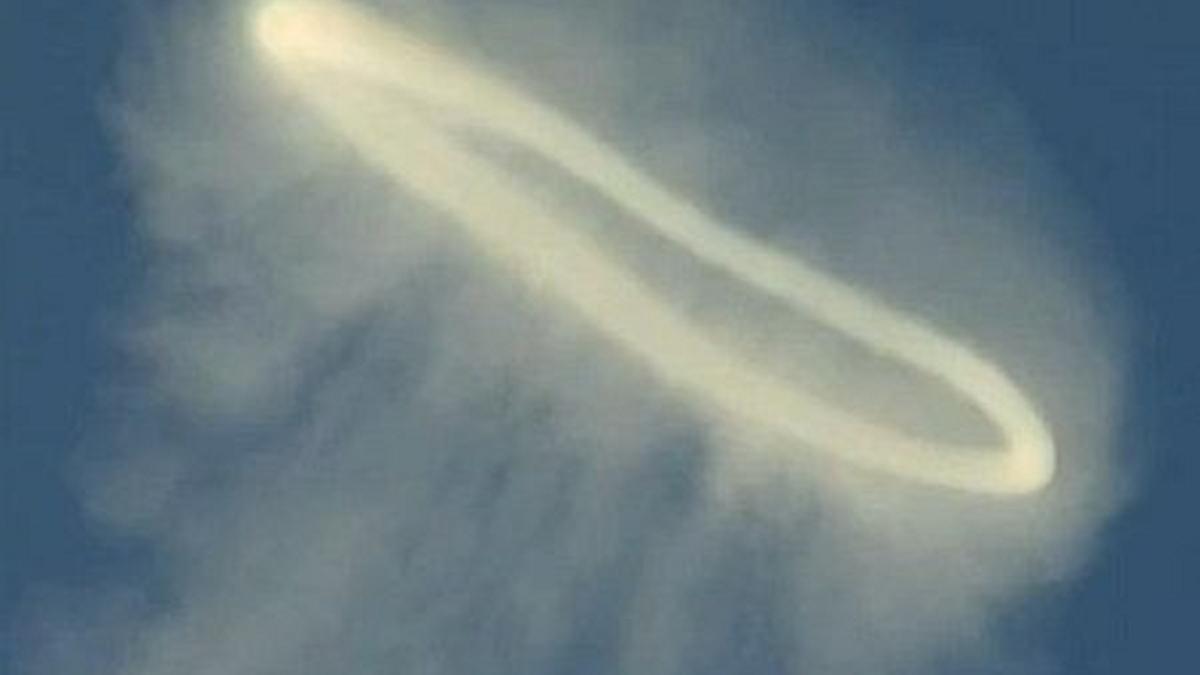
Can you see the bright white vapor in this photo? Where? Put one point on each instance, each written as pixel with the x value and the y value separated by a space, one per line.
pixel 360 443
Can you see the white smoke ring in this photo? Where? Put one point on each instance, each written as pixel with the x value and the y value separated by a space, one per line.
pixel 326 50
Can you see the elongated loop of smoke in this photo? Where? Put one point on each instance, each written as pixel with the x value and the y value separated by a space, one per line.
pixel 324 48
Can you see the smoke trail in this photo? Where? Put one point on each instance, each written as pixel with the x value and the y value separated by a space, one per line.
pixel 357 445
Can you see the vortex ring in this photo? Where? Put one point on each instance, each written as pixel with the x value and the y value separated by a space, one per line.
pixel 326 51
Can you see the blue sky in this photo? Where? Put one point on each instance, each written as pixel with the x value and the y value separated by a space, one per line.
pixel 1109 89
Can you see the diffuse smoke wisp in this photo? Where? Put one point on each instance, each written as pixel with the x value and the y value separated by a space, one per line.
pixel 356 445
